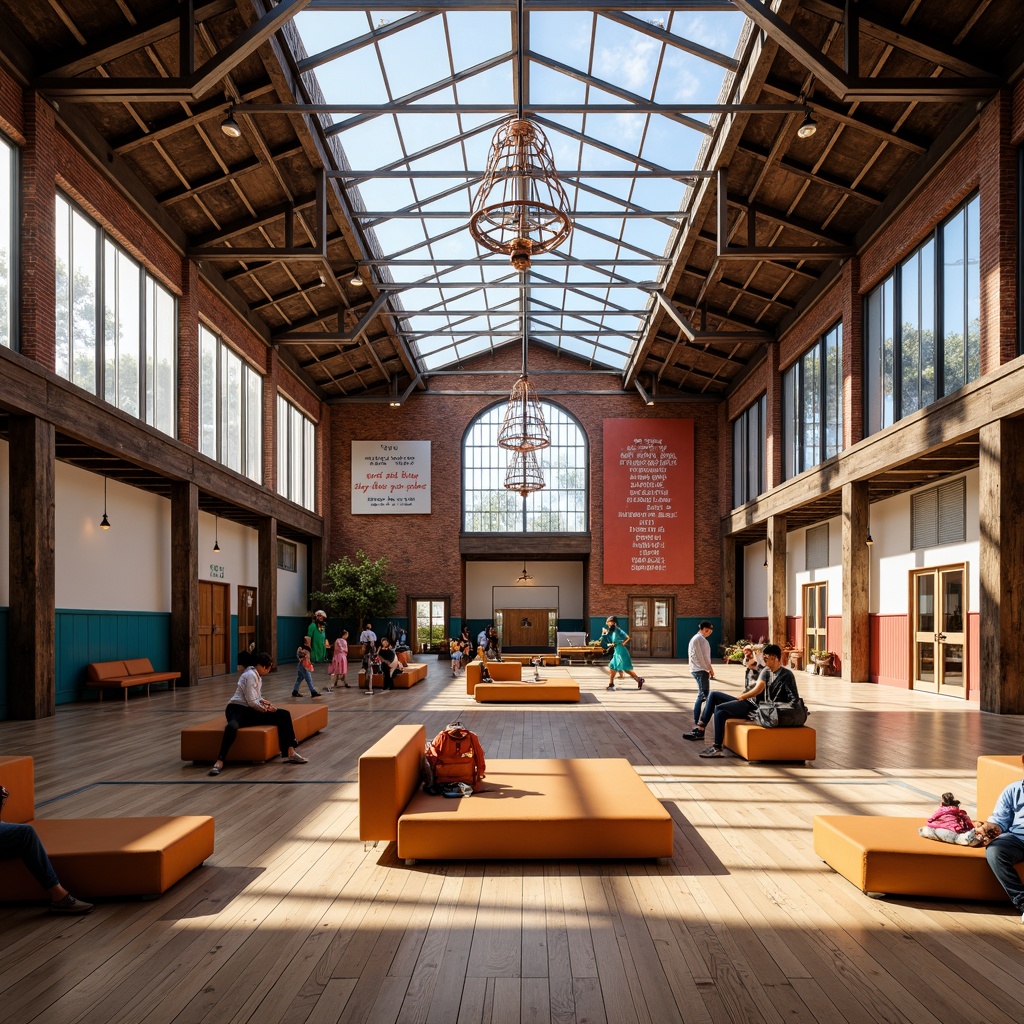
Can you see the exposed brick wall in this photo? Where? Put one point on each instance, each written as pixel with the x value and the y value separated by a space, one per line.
pixel 1017 127
pixel 12 120
pixel 188 355
pixel 424 550
pixel 819 319
pixel 270 387
pixel 853 353
pixel 225 321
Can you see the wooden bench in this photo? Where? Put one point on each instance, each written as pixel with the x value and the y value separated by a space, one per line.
pixel 258 743
pixel 543 809
pixel 131 672
pixel 756 743
pixel 588 655
pixel 101 856
pixel 528 692
pixel 415 672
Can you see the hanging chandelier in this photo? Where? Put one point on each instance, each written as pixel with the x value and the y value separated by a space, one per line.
pixel 521 207
pixel 523 428
pixel 524 474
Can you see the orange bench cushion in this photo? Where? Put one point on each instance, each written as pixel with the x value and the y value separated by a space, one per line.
pixel 500 671
pixel 995 773
pixel 201 742
pixel 553 691
pixel 886 855
pixel 98 671
pixel 755 743
pixel 415 672
pixel 114 856
pixel 17 773
pixel 545 809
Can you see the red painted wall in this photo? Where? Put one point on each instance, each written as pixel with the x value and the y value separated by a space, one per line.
pixel 890 653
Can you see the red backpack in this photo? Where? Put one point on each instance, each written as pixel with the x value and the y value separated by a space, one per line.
pixel 455 755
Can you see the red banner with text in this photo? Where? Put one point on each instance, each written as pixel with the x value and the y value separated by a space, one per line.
pixel 648 501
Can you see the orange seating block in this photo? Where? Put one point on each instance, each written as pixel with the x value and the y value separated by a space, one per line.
pixel 101 856
pixel 755 743
pixel 550 692
pixel 886 855
pixel 995 773
pixel 499 671
pixel 259 743
pixel 415 672
pixel 527 809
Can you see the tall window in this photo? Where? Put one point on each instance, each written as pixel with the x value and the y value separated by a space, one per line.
pixel 812 405
pixel 296 451
pixel 8 254
pixel 749 431
pixel 922 323
pixel 561 507
pixel 116 325
pixel 230 408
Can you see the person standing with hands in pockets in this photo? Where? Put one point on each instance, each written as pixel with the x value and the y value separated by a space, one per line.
pixel 613 636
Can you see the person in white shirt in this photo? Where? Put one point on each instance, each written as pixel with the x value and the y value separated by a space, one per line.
pixel 247 707
pixel 701 668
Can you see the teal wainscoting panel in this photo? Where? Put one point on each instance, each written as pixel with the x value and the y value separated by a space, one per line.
pixel 685 629
pixel 83 635
pixel 290 631
pixel 572 626
pixel 3 664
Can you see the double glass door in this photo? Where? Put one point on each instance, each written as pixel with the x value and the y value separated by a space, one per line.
pixel 651 627
pixel 939 635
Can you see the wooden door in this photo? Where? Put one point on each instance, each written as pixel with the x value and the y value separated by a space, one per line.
pixel 214 602
pixel 246 618
pixel 815 636
pixel 651 627
pixel 525 627
pixel 938 632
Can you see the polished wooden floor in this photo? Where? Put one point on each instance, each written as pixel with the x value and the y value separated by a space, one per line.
pixel 294 920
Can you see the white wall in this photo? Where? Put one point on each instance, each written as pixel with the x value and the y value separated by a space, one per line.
pixel 892 560
pixel 755 582
pixel 482 577
pixel 798 575
pixel 292 587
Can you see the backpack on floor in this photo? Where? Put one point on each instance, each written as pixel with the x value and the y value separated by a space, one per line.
pixel 454 755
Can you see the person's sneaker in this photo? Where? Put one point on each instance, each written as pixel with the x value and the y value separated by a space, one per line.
pixel 640 683
pixel 694 734
pixel 295 758
pixel 610 686
pixel 712 752
pixel 315 693
pixel 367 693
pixel 294 695
pixel 69 905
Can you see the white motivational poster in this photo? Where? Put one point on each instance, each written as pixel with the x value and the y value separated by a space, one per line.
pixel 390 478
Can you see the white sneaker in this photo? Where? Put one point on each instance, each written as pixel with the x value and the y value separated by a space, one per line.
pixel 712 752
pixel 295 758
pixel 610 686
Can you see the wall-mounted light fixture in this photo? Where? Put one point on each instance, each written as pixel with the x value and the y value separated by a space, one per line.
pixel 104 522
pixel 230 127
pixel 216 533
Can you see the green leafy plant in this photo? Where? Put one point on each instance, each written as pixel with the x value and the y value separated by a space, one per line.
pixel 357 589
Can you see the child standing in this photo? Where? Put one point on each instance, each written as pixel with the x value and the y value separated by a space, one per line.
pixel 339 666
pixel 305 669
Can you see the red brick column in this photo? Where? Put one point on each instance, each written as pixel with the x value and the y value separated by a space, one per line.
pixel 270 385
pixel 39 191
pixel 997 164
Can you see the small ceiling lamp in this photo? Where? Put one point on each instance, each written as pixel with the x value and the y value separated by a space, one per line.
pixel 808 126
pixel 216 533
pixel 356 280
pixel 524 474
pixel 765 555
pixel 230 127
pixel 524 576
pixel 870 541
pixel 104 522
pixel 521 208
pixel 395 401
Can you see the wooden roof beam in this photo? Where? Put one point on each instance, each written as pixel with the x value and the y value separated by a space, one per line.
pixel 819 177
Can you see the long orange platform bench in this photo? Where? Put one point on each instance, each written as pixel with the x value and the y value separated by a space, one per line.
pixel 551 691
pixel 756 743
pixel 101 856
pixel 499 671
pixel 543 809
pixel 201 742
pixel 130 672
pixel 413 673
pixel 885 855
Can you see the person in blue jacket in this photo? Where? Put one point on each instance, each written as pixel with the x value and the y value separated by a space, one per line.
pixel 1006 851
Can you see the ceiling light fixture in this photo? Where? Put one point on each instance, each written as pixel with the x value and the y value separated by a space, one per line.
pixel 396 400
pixel 230 127
pixel 216 533
pixel 869 541
pixel 524 576
pixel 524 473
pixel 765 566
pixel 356 280
pixel 104 522
pixel 807 127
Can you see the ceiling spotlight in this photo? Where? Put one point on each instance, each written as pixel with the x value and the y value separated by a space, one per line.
pixel 230 127
pixel 807 127
pixel 356 280
pixel 323 280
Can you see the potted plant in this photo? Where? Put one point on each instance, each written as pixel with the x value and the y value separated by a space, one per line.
pixel 357 589
pixel 822 661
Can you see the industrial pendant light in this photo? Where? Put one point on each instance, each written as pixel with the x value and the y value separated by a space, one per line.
pixel 104 522
pixel 216 533
pixel 524 474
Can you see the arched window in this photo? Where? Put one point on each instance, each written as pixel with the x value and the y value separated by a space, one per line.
pixel 561 507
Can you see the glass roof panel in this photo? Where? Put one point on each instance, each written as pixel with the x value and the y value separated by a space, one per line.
pixel 612 161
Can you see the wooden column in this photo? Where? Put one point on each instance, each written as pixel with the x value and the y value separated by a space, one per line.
pixel 856 568
pixel 185 581
pixel 777 580
pixel 1001 528
pixel 732 614
pixel 32 686
pixel 266 623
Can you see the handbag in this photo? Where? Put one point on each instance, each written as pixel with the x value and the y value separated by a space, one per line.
pixel 780 714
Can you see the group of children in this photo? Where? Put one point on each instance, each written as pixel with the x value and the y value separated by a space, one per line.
pixel 338 669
